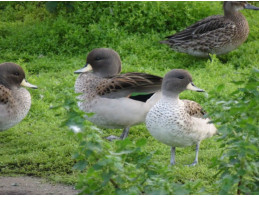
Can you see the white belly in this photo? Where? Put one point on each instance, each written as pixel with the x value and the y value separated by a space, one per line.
pixel 13 114
pixel 115 113
pixel 169 123
pixel 165 123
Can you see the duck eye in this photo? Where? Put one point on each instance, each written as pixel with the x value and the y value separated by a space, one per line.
pixel 98 58
pixel 16 73
pixel 180 77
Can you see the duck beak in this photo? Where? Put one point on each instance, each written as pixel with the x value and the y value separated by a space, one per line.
pixel 251 7
pixel 192 87
pixel 27 84
pixel 86 68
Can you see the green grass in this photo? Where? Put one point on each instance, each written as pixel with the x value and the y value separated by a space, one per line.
pixel 40 146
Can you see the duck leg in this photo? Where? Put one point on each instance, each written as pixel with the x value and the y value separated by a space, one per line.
pixel 196 155
pixel 210 58
pixel 172 160
pixel 124 134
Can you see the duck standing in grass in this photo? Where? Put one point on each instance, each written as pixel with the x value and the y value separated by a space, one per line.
pixel 215 34
pixel 15 101
pixel 175 122
pixel 107 93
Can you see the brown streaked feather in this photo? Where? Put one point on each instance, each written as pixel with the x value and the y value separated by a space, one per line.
pixel 194 109
pixel 124 84
pixel 204 26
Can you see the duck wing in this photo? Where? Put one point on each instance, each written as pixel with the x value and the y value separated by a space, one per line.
pixel 124 85
pixel 209 25
pixel 4 95
pixel 194 109
pixel 6 101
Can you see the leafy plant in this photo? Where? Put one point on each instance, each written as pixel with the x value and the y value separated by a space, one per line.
pixel 51 46
pixel 237 116
pixel 122 167
pixel 54 6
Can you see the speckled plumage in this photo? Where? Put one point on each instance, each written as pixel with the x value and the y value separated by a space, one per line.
pixel 171 122
pixel 106 94
pixel 15 101
pixel 175 122
pixel 215 34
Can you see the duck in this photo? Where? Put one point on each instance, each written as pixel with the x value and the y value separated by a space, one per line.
pixel 108 94
pixel 215 34
pixel 15 101
pixel 175 122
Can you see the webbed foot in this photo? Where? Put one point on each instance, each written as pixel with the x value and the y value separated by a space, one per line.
pixel 112 138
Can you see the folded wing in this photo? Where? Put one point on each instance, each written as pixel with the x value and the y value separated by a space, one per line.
pixel 124 85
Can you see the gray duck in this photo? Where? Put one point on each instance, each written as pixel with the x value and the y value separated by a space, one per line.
pixel 15 101
pixel 107 93
pixel 175 122
pixel 215 34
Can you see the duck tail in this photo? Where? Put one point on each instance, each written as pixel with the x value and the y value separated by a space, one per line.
pixel 213 130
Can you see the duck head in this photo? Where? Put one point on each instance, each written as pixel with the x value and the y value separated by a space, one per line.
pixel 176 81
pixel 103 62
pixel 12 75
pixel 235 6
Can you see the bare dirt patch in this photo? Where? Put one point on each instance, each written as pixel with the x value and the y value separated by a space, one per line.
pixel 33 186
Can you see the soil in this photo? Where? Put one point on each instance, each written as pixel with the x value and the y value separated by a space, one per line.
pixel 33 186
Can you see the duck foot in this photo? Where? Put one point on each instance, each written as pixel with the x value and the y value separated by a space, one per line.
pixel 112 138
pixel 193 164
pixel 124 134
pixel 196 155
